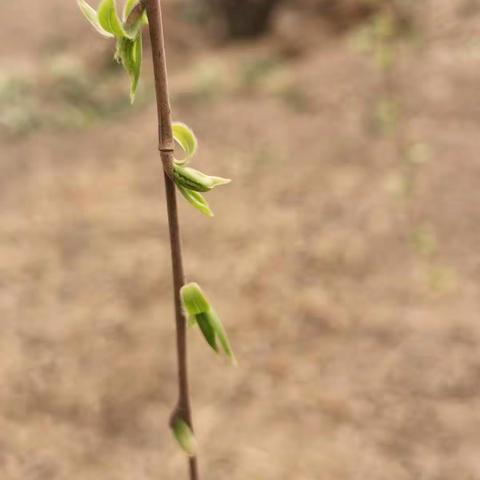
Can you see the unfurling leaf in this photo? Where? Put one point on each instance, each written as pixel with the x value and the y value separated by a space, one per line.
pixel 221 334
pixel 137 20
pixel 200 312
pixel 217 181
pixel 137 66
pixel 108 18
pixel 190 178
pixel 196 200
pixel 194 180
pixel 193 299
pixel 184 436
pixel 203 322
pixel 91 15
pixel 129 36
pixel 129 52
pixel 185 137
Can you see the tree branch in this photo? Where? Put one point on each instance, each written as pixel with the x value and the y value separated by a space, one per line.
pixel 166 146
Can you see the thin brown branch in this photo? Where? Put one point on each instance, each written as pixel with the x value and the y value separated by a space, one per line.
pixel 134 15
pixel 166 145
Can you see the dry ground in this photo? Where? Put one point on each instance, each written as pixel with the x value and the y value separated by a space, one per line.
pixel 359 357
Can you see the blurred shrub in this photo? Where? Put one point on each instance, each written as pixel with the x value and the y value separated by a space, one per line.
pixel 250 18
pixel 58 96
pixel 18 110
pixel 242 18
pixel 347 13
pixel 341 13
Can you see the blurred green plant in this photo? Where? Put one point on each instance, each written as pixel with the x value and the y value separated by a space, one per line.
pixel 238 18
pixel 255 70
pixel 19 112
pixel 382 39
pixel 58 96
pixel 188 298
pixel 424 240
pixel 441 279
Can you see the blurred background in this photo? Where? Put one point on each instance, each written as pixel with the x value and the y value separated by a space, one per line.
pixel 344 257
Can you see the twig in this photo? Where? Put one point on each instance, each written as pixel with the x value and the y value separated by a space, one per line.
pixel 166 145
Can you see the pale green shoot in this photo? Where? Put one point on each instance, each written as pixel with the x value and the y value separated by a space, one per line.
pixel 199 312
pixel 189 181
pixel 129 40
pixel 91 15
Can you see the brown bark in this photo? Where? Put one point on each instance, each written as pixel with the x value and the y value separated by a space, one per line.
pixel 166 146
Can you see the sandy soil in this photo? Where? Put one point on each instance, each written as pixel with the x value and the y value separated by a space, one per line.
pixel 358 353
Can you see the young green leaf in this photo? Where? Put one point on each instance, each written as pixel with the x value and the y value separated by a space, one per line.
pixel 91 15
pixel 193 299
pixel 216 181
pixel 135 66
pixel 130 54
pixel 200 312
pixel 195 180
pixel 108 18
pixel 185 137
pixel 190 178
pixel 184 436
pixel 203 321
pixel 221 334
pixel 196 200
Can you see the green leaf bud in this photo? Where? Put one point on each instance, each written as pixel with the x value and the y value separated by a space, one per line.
pixel 108 18
pixel 196 200
pixel 184 436
pixel 191 178
pixel 196 180
pixel 200 312
pixel 193 299
pixel 205 325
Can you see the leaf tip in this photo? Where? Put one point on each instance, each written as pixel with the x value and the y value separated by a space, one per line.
pixel 216 181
